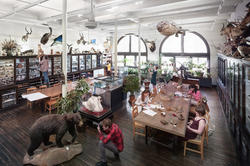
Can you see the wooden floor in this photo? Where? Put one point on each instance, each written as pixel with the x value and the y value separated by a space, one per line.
pixel 14 139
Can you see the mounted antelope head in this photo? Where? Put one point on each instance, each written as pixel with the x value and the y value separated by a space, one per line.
pixel 151 45
pixel 25 37
pixel 81 39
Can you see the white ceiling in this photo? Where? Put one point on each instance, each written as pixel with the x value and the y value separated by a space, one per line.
pixel 126 13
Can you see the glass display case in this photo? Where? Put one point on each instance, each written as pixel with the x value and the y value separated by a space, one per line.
pixel 6 72
pixel 34 68
pixel 88 62
pixel 8 98
pixel 94 61
pixel 234 94
pixel 57 65
pixel 74 63
pixel 82 62
pixel 50 66
pixel 20 69
pixel 68 64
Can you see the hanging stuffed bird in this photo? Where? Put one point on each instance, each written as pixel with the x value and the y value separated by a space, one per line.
pixel 57 40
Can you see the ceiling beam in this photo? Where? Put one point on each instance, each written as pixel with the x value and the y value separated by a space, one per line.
pixel 22 8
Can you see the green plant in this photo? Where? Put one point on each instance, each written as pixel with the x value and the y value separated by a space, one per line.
pixel 131 84
pixel 71 102
pixel 133 71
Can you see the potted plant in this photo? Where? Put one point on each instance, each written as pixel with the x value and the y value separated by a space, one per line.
pixel 71 102
pixel 131 84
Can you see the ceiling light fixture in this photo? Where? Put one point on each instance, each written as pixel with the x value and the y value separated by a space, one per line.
pixel 79 15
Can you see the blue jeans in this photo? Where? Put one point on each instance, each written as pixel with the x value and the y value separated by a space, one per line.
pixel 46 77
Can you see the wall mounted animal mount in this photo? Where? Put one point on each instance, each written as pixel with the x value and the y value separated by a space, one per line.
pixel 151 45
pixel 81 40
pixel 70 48
pixel 46 36
pixel 26 36
pixel 57 40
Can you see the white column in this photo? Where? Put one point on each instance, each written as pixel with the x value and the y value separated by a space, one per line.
pixel 139 51
pixel 64 47
pixel 115 46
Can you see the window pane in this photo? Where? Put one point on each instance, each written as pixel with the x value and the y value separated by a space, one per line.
pixel 143 60
pixel 200 65
pixel 130 60
pixel 134 44
pixel 194 44
pixel 172 44
pixel 181 61
pixel 123 45
pixel 167 63
pixel 120 60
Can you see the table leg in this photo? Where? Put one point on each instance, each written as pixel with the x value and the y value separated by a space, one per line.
pixel 175 144
pixel 146 134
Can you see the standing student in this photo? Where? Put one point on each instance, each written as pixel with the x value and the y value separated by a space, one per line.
pixel 44 67
pixel 111 138
pixel 153 77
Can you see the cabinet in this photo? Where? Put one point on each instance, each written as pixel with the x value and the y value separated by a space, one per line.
pixel 24 71
pixel 233 86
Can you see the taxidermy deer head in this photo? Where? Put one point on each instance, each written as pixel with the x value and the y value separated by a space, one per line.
pixel 81 39
pixel 151 45
pixel 25 37
pixel 46 37
pixel 70 48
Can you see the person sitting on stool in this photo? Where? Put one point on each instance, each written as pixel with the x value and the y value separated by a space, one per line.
pixel 112 139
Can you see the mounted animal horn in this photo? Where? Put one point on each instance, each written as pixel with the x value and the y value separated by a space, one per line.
pixel 26 36
pixel 46 37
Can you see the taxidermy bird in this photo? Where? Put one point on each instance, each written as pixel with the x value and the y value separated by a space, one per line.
pixel 25 37
pixel 70 48
pixel 46 37
pixel 57 40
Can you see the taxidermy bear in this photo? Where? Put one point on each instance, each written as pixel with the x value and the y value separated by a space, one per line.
pixel 53 124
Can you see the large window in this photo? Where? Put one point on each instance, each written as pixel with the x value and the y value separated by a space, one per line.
pixel 128 51
pixel 190 50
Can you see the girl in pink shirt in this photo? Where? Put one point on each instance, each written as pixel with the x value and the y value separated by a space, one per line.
pixel 194 92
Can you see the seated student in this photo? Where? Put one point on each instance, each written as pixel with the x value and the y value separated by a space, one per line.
pixel 194 92
pixel 111 139
pixel 197 125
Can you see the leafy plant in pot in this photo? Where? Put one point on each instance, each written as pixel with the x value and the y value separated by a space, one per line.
pixel 72 101
pixel 131 84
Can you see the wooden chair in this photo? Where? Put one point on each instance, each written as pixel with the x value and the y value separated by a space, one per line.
pixel 199 141
pixel 57 84
pixel 43 87
pixel 137 126
pixel 51 104
pixel 29 91
pixel 207 117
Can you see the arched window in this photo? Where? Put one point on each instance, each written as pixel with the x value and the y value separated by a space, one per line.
pixel 190 50
pixel 128 51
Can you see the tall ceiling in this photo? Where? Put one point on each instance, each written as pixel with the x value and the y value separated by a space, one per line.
pixel 126 13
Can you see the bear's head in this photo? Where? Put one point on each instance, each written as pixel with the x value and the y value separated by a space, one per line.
pixel 74 118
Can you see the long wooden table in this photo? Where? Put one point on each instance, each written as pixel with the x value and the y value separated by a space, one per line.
pixel 172 108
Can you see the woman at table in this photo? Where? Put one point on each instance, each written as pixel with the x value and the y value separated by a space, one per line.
pixel 196 126
pixel 194 92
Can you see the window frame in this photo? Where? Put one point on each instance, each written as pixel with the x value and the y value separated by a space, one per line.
pixel 191 55
pixel 130 53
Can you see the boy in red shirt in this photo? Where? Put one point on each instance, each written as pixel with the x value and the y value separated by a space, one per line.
pixel 112 139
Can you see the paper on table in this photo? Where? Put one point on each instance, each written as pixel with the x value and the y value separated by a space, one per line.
pixel 34 96
pixel 150 112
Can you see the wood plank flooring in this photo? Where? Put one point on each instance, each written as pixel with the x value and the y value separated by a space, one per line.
pixel 220 151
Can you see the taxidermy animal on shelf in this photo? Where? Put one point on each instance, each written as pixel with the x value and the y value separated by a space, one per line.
pixel 46 36
pixel 26 36
pixel 151 45
pixel 81 39
pixel 53 124
pixel 57 40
